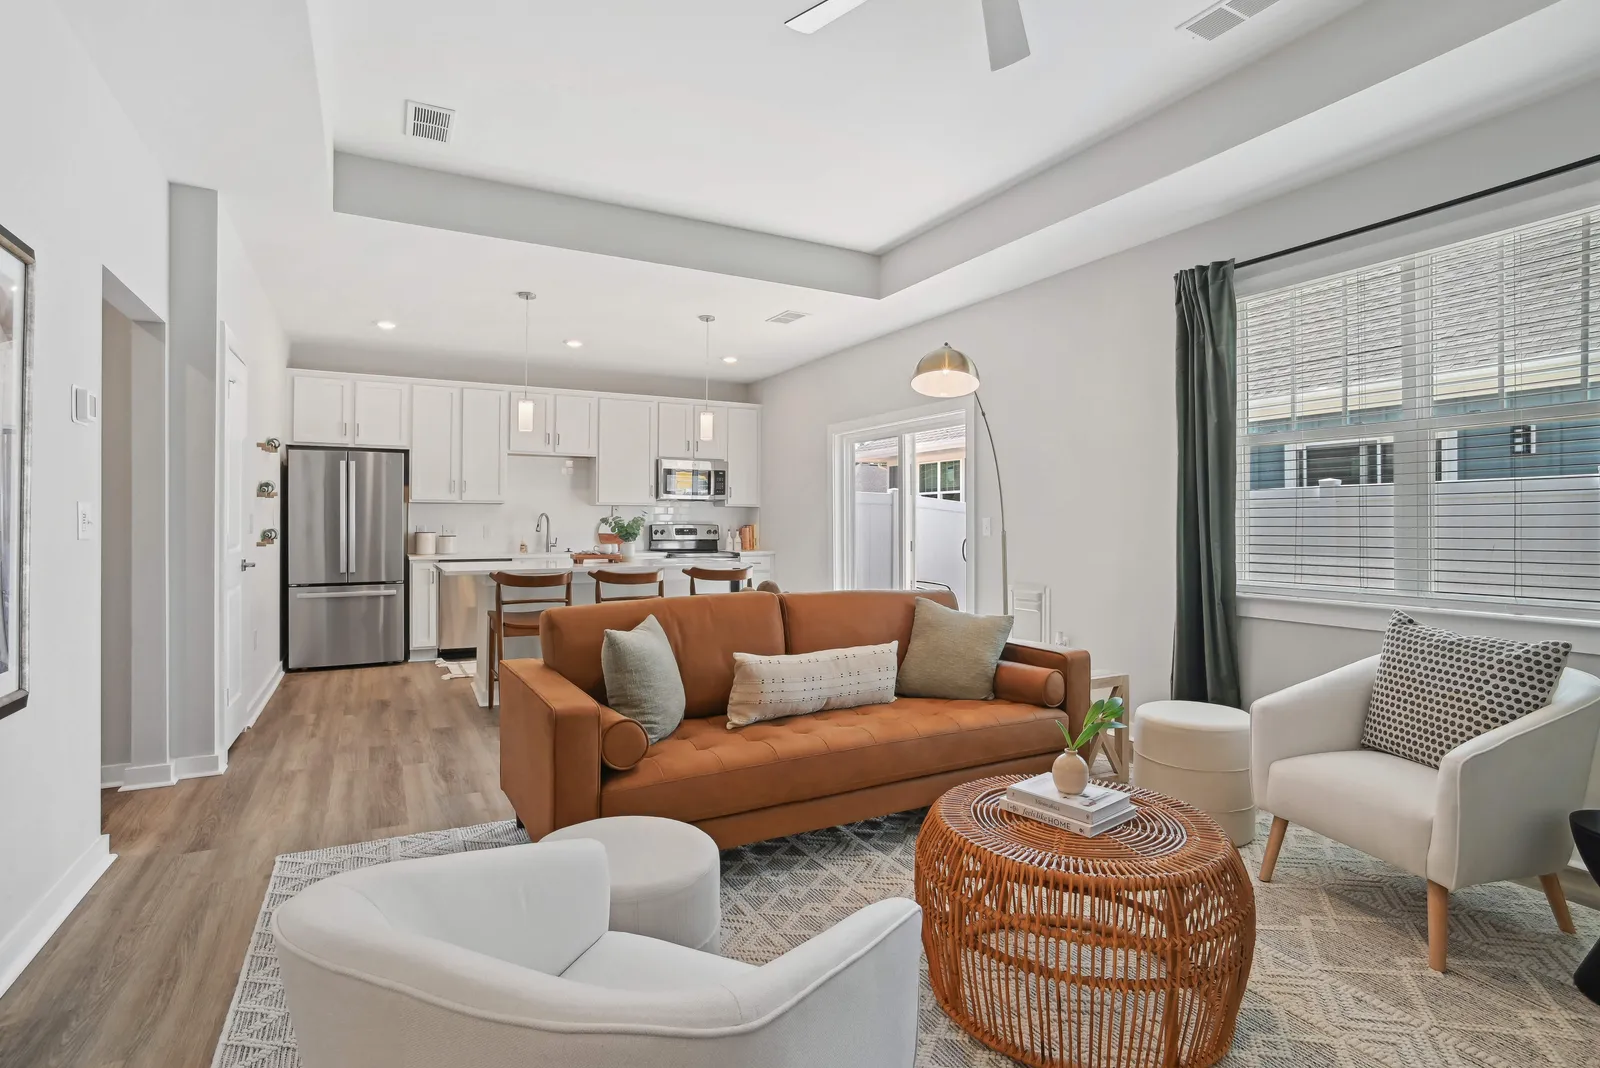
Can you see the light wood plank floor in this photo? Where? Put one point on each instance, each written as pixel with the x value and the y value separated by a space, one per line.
pixel 142 972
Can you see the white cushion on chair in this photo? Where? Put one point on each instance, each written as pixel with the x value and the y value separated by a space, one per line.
pixel 622 961
pixel 1378 803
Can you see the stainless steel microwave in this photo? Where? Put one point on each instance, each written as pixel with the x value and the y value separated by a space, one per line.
pixel 691 480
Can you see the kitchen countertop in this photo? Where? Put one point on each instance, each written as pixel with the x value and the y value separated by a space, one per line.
pixel 466 565
pixel 535 559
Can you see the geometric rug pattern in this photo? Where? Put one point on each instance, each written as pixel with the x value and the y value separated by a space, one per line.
pixel 1340 977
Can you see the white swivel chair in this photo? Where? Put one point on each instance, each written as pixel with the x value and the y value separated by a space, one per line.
pixel 1495 808
pixel 501 958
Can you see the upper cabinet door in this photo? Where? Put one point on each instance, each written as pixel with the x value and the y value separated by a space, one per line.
pixel 744 457
pixel 574 425
pixel 321 413
pixel 716 446
pixel 435 434
pixel 538 441
pixel 624 469
pixel 483 449
pixel 380 414
pixel 672 430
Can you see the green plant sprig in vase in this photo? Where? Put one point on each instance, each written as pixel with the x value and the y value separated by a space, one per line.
pixel 1071 771
pixel 626 530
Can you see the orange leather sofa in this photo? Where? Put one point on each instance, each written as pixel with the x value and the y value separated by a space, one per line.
pixel 565 757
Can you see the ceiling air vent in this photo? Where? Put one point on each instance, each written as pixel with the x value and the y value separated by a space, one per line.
pixel 427 121
pixel 1218 19
pixel 788 317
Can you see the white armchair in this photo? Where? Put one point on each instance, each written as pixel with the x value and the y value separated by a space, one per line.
pixel 1496 807
pixel 501 958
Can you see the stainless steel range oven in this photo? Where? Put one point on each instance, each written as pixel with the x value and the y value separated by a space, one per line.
pixel 691 480
pixel 682 541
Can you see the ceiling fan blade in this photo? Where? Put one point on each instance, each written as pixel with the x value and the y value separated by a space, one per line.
pixel 1008 38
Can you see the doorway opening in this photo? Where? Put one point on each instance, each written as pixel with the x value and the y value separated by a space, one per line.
pixel 903 504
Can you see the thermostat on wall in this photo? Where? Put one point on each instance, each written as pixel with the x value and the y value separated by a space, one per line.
pixel 85 406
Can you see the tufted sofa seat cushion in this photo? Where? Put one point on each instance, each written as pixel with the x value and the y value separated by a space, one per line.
pixel 704 770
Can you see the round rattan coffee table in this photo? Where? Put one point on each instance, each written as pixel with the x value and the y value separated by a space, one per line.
pixel 1129 949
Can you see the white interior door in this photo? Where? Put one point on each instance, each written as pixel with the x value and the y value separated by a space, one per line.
pixel 235 522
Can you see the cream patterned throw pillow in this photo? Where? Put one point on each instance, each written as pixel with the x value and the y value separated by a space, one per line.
pixel 771 687
pixel 1436 689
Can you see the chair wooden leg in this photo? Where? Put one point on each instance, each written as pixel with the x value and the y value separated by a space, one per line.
pixel 1558 902
pixel 494 656
pixel 1438 925
pixel 1274 843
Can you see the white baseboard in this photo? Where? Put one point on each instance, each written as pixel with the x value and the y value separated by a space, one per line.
pixel 23 942
pixel 195 767
pixel 112 775
pixel 146 776
pixel 259 703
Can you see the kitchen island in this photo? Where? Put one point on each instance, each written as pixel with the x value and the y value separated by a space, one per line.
pixel 428 571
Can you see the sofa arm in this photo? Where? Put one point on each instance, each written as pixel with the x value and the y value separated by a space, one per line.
pixel 1073 665
pixel 549 747
pixel 1503 799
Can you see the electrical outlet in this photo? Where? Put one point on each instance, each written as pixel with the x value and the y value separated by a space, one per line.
pixel 1063 638
pixel 986 527
pixel 85 521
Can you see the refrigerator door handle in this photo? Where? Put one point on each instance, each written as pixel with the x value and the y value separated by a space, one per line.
pixel 344 518
pixel 352 511
pixel 328 595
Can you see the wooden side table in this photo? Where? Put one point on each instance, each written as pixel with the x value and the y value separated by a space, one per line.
pixel 1127 950
pixel 1116 745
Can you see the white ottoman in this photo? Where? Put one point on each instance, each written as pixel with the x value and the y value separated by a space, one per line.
pixel 666 877
pixel 1200 754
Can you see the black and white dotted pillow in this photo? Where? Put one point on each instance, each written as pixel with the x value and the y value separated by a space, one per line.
pixel 1436 689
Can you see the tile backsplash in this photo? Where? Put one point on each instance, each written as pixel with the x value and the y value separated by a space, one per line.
pixel 537 484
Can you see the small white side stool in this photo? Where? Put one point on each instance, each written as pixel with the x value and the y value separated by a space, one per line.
pixel 1200 754
pixel 666 877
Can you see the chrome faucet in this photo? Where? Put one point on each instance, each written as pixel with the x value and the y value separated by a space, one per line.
pixel 549 535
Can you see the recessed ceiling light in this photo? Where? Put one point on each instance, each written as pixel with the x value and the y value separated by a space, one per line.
pixel 730 359
pixel 385 324
pixel 574 343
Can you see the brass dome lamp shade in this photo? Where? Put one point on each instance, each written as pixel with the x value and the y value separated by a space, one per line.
pixel 947 372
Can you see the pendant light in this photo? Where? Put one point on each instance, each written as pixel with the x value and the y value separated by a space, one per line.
pixel 525 405
pixel 708 429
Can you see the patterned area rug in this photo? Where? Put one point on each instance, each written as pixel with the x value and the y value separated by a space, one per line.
pixel 1340 977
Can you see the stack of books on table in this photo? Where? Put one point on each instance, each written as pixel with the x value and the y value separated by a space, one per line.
pixel 1095 811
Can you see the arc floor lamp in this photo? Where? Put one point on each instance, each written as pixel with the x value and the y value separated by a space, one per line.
pixel 945 372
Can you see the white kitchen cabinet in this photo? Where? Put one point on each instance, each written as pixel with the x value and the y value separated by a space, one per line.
pixel 624 466
pixel 744 457
pixel 576 425
pixel 716 447
pixel 321 414
pixel 380 409
pixel 540 441
pixel 424 605
pixel 435 443
pixel 672 430
pixel 483 448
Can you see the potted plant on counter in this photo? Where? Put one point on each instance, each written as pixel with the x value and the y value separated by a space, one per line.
pixel 1070 771
pixel 626 530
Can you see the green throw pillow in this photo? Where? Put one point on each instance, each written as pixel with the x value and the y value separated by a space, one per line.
pixel 642 679
pixel 952 654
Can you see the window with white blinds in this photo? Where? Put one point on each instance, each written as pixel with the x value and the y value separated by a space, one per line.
pixel 1428 429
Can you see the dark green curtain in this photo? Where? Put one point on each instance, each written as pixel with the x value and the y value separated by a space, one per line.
pixel 1205 649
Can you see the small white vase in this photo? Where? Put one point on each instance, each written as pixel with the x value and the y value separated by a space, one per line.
pixel 628 549
pixel 1070 773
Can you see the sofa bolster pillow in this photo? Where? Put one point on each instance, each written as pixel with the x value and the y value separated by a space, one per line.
pixel 1029 685
pixel 623 741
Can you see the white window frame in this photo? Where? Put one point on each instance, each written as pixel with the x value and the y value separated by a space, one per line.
pixel 904 424
pixel 1368 609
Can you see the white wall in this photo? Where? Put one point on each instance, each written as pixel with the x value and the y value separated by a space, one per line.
pixel 116 537
pixel 243 305
pixel 80 187
pixel 1078 376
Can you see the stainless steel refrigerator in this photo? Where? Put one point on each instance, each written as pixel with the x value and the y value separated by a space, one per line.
pixel 345 540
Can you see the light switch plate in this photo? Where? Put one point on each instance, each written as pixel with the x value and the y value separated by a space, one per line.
pixel 986 527
pixel 85 405
pixel 85 521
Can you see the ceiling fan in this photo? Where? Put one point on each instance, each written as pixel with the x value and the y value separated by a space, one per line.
pixel 1002 23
